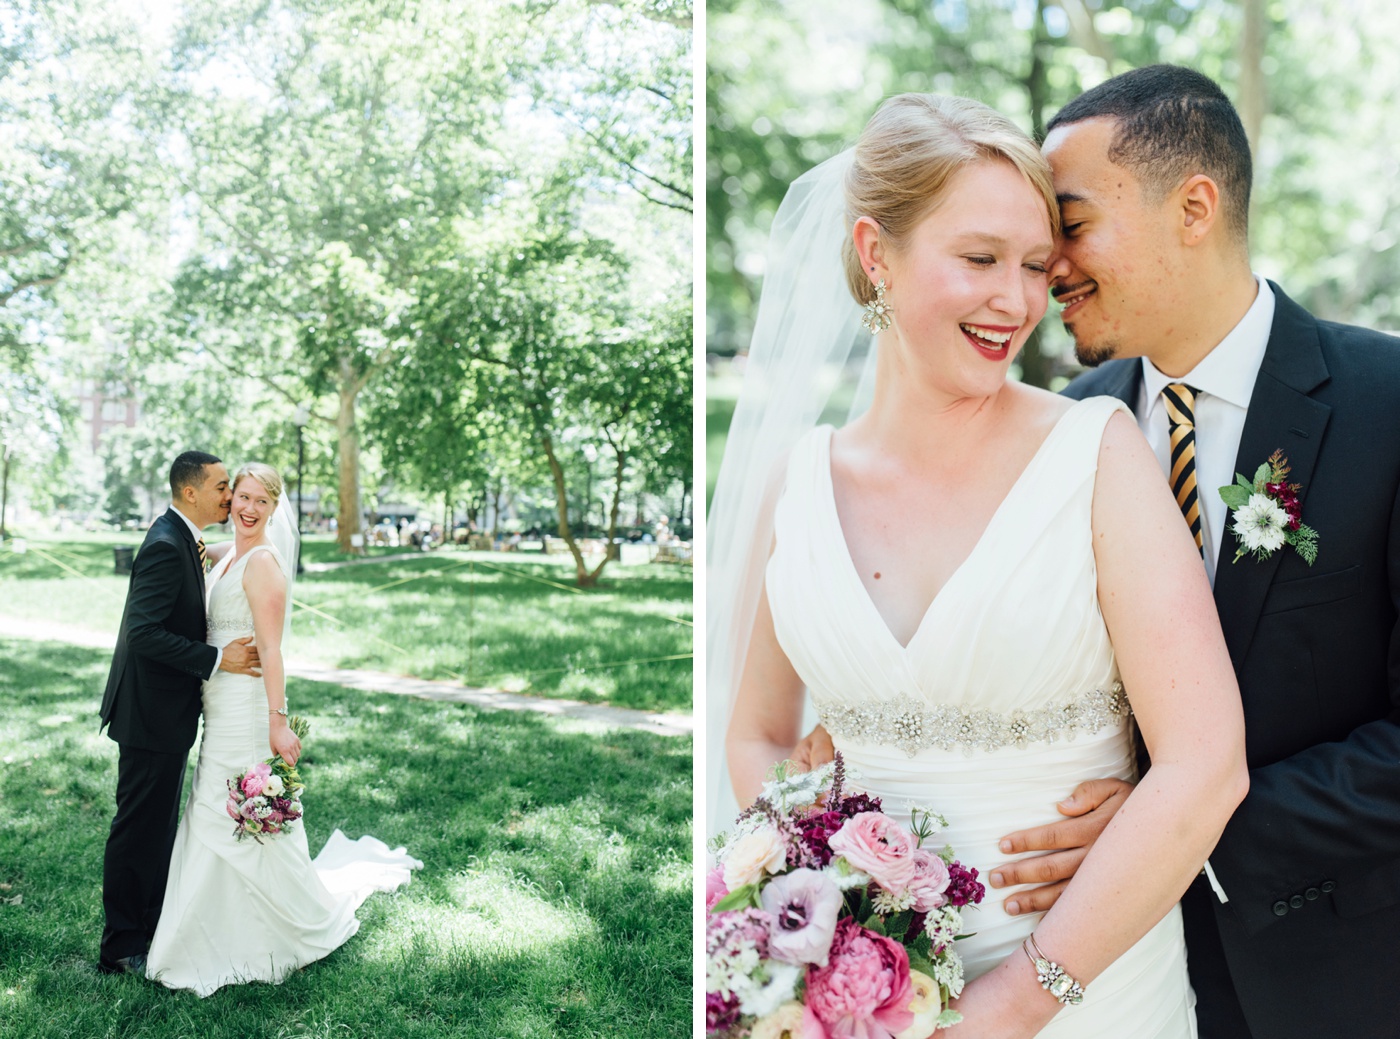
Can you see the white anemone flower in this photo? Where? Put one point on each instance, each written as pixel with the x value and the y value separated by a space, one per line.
pixel 1261 525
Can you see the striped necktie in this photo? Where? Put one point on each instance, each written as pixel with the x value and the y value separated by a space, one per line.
pixel 203 556
pixel 1181 419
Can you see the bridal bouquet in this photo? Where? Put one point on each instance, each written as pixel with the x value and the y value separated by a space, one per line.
pixel 266 799
pixel 830 920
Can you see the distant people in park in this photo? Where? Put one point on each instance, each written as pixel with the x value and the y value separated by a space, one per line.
pixel 193 906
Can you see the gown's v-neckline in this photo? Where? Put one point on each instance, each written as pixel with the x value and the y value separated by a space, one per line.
pixel 850 563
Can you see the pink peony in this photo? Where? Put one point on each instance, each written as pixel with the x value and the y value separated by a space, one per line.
pixel 930 881
pixel 874 843
pixel 256 779
pixel 864 992
pixel 714 887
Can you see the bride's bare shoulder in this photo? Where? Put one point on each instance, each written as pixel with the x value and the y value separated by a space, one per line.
pixel 1038 409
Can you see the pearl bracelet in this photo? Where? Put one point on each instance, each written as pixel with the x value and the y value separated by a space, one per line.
pixel 1052 976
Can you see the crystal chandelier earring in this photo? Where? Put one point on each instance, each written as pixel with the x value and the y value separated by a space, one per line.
pixel 876 316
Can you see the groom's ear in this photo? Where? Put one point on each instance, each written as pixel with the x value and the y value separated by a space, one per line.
pixel 1198 202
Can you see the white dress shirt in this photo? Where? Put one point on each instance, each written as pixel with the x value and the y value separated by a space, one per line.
pixel 1224 383
pixel 198 536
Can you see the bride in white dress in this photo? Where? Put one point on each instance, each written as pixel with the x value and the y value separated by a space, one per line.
pixel 973 579
pixel 238 911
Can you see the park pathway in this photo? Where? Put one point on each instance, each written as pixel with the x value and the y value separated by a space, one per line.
pixel 598 717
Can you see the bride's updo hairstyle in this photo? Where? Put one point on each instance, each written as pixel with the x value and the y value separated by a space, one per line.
pixel 907 154
pixel 264 474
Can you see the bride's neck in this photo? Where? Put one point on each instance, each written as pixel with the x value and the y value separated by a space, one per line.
pixel 912 420
pixel 243 542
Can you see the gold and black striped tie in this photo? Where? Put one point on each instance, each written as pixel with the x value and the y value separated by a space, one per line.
pixel 203 556
pixel 1181 419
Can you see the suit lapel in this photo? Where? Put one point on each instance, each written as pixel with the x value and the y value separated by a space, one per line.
pixel 1122 379
pixel 182 532
pixel 1281 417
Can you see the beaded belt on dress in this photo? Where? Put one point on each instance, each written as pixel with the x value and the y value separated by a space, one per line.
pixel 914 725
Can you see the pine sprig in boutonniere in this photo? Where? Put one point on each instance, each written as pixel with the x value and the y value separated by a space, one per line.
pixel 1267 513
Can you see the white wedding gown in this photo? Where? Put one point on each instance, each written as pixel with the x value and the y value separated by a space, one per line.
pixel 238 911
pixel 1005 698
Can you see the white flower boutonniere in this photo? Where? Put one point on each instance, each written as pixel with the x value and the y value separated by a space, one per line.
pixel 1267 513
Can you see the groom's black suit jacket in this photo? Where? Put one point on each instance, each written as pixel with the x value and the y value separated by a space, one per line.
pixel 152 697
pixel 1311 859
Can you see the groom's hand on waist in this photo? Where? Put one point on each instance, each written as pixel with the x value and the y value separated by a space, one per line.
pixel 813 750
pixel 241 658
pixel 1089 809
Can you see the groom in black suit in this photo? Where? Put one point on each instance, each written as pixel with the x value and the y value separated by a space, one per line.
pixel 1292 928
pixel 1291 932
pixel 152 701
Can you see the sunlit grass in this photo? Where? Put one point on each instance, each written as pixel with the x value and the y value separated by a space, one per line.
pixel 504 620
pixel 554 901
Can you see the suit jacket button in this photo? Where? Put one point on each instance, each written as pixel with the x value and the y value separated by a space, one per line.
pixel 1312 894
pixel 1296 901
pixel 1280 908
pixel 1328 886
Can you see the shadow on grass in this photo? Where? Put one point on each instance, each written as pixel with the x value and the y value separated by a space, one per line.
pixel 554 900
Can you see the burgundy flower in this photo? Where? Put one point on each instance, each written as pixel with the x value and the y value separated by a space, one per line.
pixel 815 834
pixel 857 803
pixel 721 1014
pixel 963 887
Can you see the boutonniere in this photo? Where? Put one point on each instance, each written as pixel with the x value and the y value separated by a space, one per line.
pixel 1267 513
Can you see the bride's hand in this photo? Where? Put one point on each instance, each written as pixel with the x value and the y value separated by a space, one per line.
pixel 283 740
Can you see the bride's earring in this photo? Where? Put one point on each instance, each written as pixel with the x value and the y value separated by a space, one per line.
pixel 877 312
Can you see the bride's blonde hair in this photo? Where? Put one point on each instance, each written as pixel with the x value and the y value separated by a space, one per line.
pixel 907 154
pixel 264 474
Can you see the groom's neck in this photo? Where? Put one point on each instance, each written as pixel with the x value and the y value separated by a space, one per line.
pixel 1219 300
pixel 183 510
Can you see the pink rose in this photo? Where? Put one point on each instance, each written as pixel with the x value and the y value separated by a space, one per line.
pixel 714 887
pixel 874 843
pixel 864 991
pixel 930 881
pixel 256 779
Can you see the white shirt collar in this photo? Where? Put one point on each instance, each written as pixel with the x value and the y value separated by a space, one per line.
pixel 195 531
pixel 1228 371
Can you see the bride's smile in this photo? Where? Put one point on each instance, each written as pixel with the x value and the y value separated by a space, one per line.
pixel 967 284
pixel 251 507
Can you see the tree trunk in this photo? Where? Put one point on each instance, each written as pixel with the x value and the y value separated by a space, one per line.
pixel 4 493
pixel 350 517
pixel 1084 35
pixel 561 496
pixel 1035 366
pixel 1254 94
pixel 621 457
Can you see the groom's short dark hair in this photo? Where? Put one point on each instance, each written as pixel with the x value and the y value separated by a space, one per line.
pixel 188 470
pixel 1173 122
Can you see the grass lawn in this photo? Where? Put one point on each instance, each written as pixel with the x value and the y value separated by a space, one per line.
pixel 555 898
pixel 503 620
